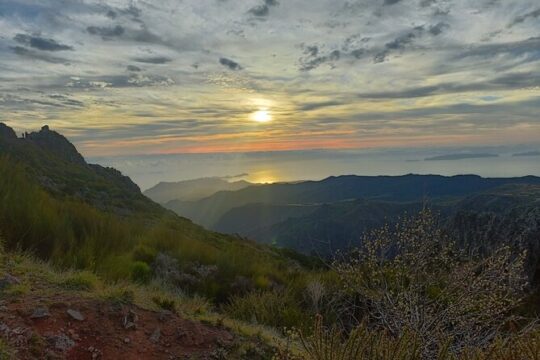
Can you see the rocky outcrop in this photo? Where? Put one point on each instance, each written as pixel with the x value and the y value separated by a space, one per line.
pixel 6 132
pixel 54 142
pixel 58 167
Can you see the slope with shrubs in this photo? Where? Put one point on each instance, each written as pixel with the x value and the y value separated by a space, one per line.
pixel 120 236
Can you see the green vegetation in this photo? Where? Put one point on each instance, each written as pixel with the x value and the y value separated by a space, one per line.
pixel 365 344
pixel 73 234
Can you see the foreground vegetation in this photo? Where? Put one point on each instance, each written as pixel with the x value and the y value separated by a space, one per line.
pixel 408 293
pixel 73 234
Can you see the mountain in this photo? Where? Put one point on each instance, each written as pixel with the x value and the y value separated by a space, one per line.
pixel 74 214
pixel 407 188
pixel 59 168
pixel 190 190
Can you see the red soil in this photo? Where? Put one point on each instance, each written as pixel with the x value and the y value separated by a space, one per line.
pixel 103 333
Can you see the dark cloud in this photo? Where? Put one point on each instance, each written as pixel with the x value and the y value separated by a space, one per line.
pixel 522 18
pixel 133 68
pixel 232 65
pixel 313 57
pixel 263 9
pixel 426 3
pixel 319 105
pixel 153 60
pixel 510 81
pixel 106 32
pixel 391 2
pixel 40 43
pixel 516 48
pixel 260 10
pixel 67 101
pixel 35 55
pixel 403 41
pixel 438 28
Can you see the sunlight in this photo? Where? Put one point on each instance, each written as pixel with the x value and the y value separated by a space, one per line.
pixel 261 116
pixel 264 177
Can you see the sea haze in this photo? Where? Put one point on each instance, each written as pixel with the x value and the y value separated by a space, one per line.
pixel 318 164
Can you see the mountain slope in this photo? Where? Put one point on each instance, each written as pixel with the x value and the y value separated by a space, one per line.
pixel 407 188
pixel 86 216
pixel 190 190
pixel 51 159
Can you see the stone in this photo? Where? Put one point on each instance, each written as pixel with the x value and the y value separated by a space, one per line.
pixel 165 315
pixel 155 335
pixel 75 314
pixel 130 320
pixel 8 280
pixel 61 342
pixel 40 313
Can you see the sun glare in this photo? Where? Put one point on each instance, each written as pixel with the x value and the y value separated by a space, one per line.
pixel 261 116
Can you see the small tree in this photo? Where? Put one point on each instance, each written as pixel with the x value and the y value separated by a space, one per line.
pixel 413 278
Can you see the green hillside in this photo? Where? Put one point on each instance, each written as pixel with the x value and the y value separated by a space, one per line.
pixel 88 217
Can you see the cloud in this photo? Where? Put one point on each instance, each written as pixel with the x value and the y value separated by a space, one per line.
pixel 535 14
pixel 34 55
pixel 438 28
pixel 263 9
pixel 391 2
pixel 232 65
pixel 133 68
pixel 400 43
pixel 514 48
pixel 319 105
pixel 40 43
pixel 512 81
pixel 153 60
pixel 313 58
pixel 106 32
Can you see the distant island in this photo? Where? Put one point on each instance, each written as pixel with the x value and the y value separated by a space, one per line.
pixel 528 153
pixel 460 157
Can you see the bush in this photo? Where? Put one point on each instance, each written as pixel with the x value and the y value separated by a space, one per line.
pixel 366 344
pixel 413 278
pixel 273 308
pixel 83 280
pixel 165 304
pixel 144 253
pixel 141 272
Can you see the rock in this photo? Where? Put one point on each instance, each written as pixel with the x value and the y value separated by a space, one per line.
pixel 155 335
pixel 61 342
pixel 165 315
pixel 12 279
pixel 40 313
pixel 75 314
pixel 7 132
pixel 8 280
pixel 127 340
pixel 130 320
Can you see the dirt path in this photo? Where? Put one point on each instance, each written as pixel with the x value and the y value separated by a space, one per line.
pixel 58 327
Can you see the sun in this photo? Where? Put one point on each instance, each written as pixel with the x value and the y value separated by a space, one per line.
pixel 261 116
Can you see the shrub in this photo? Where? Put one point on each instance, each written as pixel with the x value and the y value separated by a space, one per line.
pixel 164 303
pixel 365 344
pixel 144 253
pixel 274 308
pixel 141 272
pixel 413 278
pixel 83 280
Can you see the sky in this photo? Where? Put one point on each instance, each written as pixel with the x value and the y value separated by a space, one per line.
pixel 123 78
